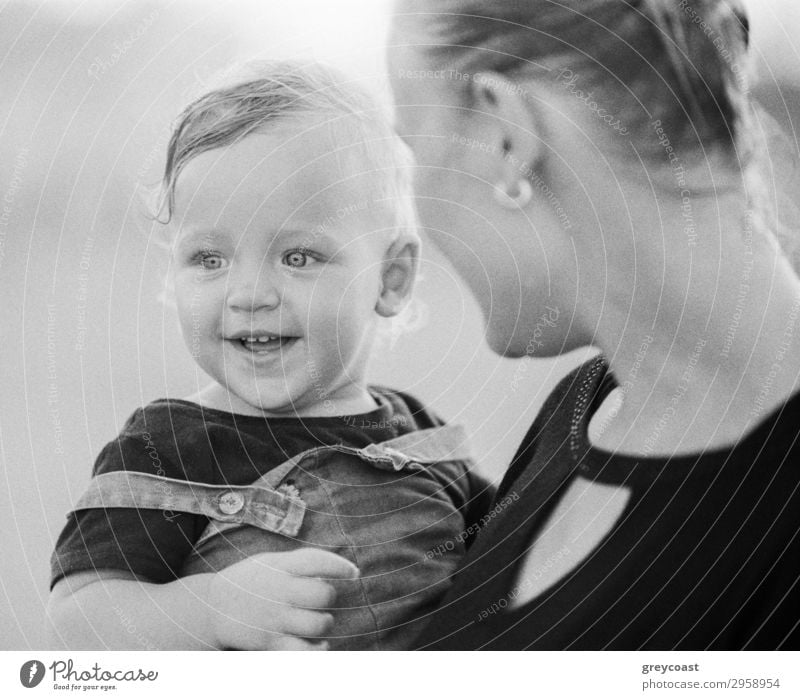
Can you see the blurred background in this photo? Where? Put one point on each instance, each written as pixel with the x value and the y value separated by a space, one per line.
pixel 88 91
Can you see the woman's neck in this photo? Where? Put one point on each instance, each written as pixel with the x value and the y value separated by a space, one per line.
pixel 705 347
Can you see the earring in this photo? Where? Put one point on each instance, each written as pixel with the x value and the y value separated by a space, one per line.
pixel 515 198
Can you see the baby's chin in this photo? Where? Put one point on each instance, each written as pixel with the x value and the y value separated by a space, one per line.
pixel 278 405
pixel 275 399
pixel 268 401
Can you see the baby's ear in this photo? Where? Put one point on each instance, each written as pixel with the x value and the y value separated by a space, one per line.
pixel 398 275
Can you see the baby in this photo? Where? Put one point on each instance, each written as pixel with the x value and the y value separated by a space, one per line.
pixel 289 504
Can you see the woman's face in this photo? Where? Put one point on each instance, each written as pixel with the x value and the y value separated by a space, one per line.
pixel 513 260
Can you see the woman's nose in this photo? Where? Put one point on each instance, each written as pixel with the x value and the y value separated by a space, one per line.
pixel 256 292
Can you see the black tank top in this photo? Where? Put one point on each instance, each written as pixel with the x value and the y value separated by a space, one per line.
pixel 706 554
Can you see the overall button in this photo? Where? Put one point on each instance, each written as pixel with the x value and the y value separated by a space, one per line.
pixel 230 503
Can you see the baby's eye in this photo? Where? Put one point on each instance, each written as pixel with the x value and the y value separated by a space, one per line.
pixel 296 258
pixel 211 261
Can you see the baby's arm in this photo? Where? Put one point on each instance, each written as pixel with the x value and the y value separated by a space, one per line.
pixel 268 601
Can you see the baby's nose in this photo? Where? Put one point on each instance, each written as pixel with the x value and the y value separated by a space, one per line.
pixel 257 292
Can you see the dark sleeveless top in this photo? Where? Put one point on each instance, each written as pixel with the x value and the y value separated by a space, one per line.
pixel 706 554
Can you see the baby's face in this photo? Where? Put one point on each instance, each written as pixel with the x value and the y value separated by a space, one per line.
pixel 278 259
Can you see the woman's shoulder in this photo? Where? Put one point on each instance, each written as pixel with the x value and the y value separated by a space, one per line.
pixel 572 399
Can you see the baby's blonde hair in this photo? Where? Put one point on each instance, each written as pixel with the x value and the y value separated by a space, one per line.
pixel 257 94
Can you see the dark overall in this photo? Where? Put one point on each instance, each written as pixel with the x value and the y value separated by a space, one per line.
pixel 390 508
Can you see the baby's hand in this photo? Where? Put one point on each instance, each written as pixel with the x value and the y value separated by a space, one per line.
pixel 276 601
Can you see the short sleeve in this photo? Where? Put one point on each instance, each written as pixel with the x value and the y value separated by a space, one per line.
pixel 471 493
pixel 151 544
pixel 480 499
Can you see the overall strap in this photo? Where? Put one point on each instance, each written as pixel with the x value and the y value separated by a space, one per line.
pixel 255 504
pixel 488 571
pixel 420 447
pixel 441 444
pixel 305 460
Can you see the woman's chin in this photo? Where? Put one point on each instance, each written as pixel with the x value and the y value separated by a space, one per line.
pixel 505 345
pixel 525 345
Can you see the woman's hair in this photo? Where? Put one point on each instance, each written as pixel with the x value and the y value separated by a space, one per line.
pixel 680 65
pixel 259 94
pixel 677 61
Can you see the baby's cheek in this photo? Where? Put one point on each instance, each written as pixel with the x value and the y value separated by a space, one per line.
pixel 184 315
pixel 197 314
pixel 358 308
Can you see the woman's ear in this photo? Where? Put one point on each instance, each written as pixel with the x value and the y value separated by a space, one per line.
pixel 514 126
pixel 398 275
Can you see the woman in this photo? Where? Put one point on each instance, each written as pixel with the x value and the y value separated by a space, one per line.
pixel 596 163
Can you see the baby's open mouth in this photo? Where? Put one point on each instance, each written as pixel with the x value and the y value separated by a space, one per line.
pixel 263 344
